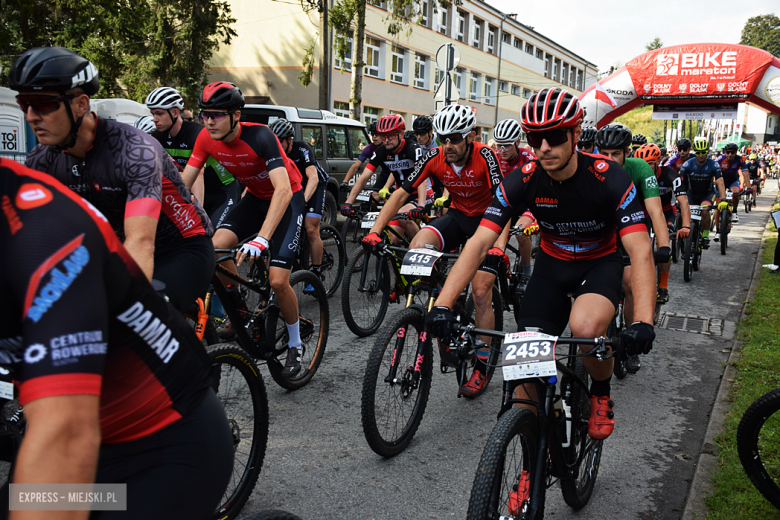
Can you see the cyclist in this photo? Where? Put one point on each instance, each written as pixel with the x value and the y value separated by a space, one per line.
pixel 365 154
pixel 398 156
pixel 697 175
pixel 581 202
pixel 507 134
pixel 664 156
pixel 669 184
pixel 423 130
pixel 732 167
pixel 753 169
pixel 613 141
pixel 314 183
pixel 217 188
pixel 274 200
pixel 677 160
pixel 119 169
pixel 636 141
pixel 587 142
pixel 114 384
pixel 145 124
pixel 470 172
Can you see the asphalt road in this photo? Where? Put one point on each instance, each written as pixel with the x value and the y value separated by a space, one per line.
pixel 319 466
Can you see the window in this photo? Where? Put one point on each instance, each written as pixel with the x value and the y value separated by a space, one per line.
pixel 370 115
pixel 313 136
pixel 518 43
pixel 539 54
pixel 506 37
pixel 424 13
pixel 580 79
pixel 372 57
pixel 476 41
pixel 516 89
pixel 347 55
pixel 555 70
pixel 337 143
pixel 397 66
pixel 503 86
pixel 485 135
pixel 529 48
pixel 420 71
pixel 439 76
pixel 341 109
pixel 489 89
pixel 357 140
pixel 491 41
pixel 458 78
pixel 572 76
pixel 474 86
pixel 378 3
pixel 527 93
pixel 461 26
pixel 443 21
pixel 546 65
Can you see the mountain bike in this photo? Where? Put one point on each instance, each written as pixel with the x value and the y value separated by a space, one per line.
pixel 365 204
pixel 398 374
pixel 616 327
pixel 694 244
pixel 758 445
pixel 725 227
pixel 748 200
pixel 526 453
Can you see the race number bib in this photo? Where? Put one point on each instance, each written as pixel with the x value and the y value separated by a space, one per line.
pixel 369 219
pixel 527 355
pixel 695 212
pixel 364 195
pixel 419 262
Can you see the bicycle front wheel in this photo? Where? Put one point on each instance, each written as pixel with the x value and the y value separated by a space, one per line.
pixel 365 293
pixel 392 407
pixel 725 223
pixel 507 463
pixel 314 324
pixel 239 387
pixel 758 445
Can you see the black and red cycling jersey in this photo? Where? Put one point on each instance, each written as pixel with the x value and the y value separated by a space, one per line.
pixel 78 316
pixel 577 217
pixel 249 157
pixel 126 173
pixel 400 161
pixel 472 188
pixel 669 183
pixel 522 157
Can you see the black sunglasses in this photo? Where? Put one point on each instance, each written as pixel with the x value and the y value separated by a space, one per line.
pixel 553 137
pixel 683 150
pixel 189 118
pixel 585 145
pixel 455 139
pixel 41 103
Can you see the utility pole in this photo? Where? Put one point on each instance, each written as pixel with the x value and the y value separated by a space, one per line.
pixel 500 49
pixel 324 98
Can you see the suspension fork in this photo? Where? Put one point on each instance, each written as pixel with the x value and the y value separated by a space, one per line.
pixel 364 272
pixel 538 484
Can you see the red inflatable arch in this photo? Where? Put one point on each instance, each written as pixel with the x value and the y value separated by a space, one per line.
pixel 696 74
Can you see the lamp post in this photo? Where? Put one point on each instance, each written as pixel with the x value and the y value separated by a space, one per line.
pixel 500 51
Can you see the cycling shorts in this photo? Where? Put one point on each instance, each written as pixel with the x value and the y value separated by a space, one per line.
pixel 546 303
pixel 220 199
pixel 699 199
pixel 316 205
pixel 454 229
pixel 248 216
pixel 186 268
pixel 731 181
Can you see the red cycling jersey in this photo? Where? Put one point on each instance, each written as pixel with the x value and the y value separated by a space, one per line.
pixel 472 188
pixel 523 156
pixel 249 157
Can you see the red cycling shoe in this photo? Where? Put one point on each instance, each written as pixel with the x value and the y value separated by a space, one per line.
pixel 602 418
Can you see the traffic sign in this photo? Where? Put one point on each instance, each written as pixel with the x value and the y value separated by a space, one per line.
pixel 447 57
pixel 442 93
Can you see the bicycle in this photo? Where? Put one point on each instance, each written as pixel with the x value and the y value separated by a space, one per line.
pixel 725 227
pixel 398 375
pixel 509 280
pixel 694 244
pixel 526 453
pixel 748 200
pixel 334 258
pixel 758 435
pixel 367 205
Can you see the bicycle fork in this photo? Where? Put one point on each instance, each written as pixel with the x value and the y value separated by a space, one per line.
pixel 392 376
pixel 538 485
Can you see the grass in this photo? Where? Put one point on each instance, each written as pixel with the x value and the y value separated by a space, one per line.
pixel 734 496
pixel 640 121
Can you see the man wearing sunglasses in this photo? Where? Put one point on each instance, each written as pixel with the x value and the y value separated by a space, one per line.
pixel 186 115
pixel 119 169
pixel 219 191
pixel 732 168
pixel 677 160
pixel 587 142
pixel 698 174
pixel 581 201
pixel 397 156
pixel 470 173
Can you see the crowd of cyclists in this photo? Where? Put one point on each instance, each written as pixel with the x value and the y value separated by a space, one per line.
pixel 118 226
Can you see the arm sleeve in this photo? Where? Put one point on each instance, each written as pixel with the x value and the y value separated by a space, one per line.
pixel 507 202
pixel 649 185
pixel 624 197
pixel 309 159
pixel 678 186
pixel 200 152
pixel 421 171
pixel 366 153
pixel 716 171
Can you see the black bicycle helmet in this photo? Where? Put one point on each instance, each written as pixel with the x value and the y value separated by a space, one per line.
pixel 614 136
pixel 638 140
pixel 663 151
pixel 684 143
pixel 423 124
pixel 588 135
pixel 282 128
pixel 222 95
pixel 410 136
pixel 372 129
pixel 731 147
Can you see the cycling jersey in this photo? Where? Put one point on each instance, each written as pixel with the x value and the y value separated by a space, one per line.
pixel 78 316
pixel 430 146
pixel 752 169
pixel 400 161
pixel 471 188
pixel 303 156
pixel 643 177
pixel 523 156
pixel 669 183
pixel 730 170
pixel 367 152
pixel 698 179
pixel 676 162
pixel 249 157
pixel 579 216
pixel 126 173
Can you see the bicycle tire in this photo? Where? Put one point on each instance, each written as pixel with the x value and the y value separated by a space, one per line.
pixel 688 254
pixel 314 319
pixel 698 249
pixel 246 408
pixel 577 491
pixel 271 514
pixel 381 429
pixel 334 257
pixel 758 434
pixel 725 223
pixel 364 310
pixel 510 449
pixel 498 324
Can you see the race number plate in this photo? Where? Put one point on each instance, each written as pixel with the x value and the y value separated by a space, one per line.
pixel 369 219
pixel 6 390
pixel 364 195
pixel 695 212
pixel 419 262
pixel 528 355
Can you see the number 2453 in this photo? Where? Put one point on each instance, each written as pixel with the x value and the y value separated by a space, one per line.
pixel 532 350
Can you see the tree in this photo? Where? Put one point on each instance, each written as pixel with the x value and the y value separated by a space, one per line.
pixel 763 32
pixel 655 44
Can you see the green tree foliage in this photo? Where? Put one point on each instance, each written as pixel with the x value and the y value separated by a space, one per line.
pixel 763 32
pixel 655 44
pixel 137 45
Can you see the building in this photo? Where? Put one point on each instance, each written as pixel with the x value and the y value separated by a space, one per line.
pixel 401 75
pixel 761 126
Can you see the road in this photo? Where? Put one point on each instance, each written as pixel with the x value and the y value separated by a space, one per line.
pixel 319 466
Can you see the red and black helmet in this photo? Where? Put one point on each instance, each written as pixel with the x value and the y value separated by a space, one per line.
pixel 549 109
pixel 221 95
pixel 390 124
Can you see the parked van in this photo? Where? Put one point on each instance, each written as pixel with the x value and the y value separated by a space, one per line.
pixel 337 142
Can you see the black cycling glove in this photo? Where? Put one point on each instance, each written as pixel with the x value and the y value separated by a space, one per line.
pixel 663 255
pixel 636 339
pixel 440 321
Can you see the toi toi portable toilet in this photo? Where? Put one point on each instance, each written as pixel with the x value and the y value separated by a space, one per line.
pixel 13 128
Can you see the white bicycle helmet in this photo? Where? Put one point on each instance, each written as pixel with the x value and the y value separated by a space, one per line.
pixel 454 119
pixel 165 98
pixel 145 124
pixel 507 131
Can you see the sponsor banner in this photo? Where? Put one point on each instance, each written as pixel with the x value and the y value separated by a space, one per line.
pixel 696 71
pixel 695 112
pixel 769 87
pixel 597 106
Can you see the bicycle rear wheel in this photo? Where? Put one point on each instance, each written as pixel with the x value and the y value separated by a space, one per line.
pixel 758 445
pixel 239 387
pixel 509 455
pixel 391 410
pixel 334 257
pixel 314 324
pixel 365 304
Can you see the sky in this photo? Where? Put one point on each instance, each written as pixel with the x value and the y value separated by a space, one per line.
pixel 607 31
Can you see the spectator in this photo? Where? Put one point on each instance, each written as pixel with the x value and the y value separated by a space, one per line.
pixel 187 115
pixel 492 144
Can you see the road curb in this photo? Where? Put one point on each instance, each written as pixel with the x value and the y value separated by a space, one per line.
pixel 707 465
